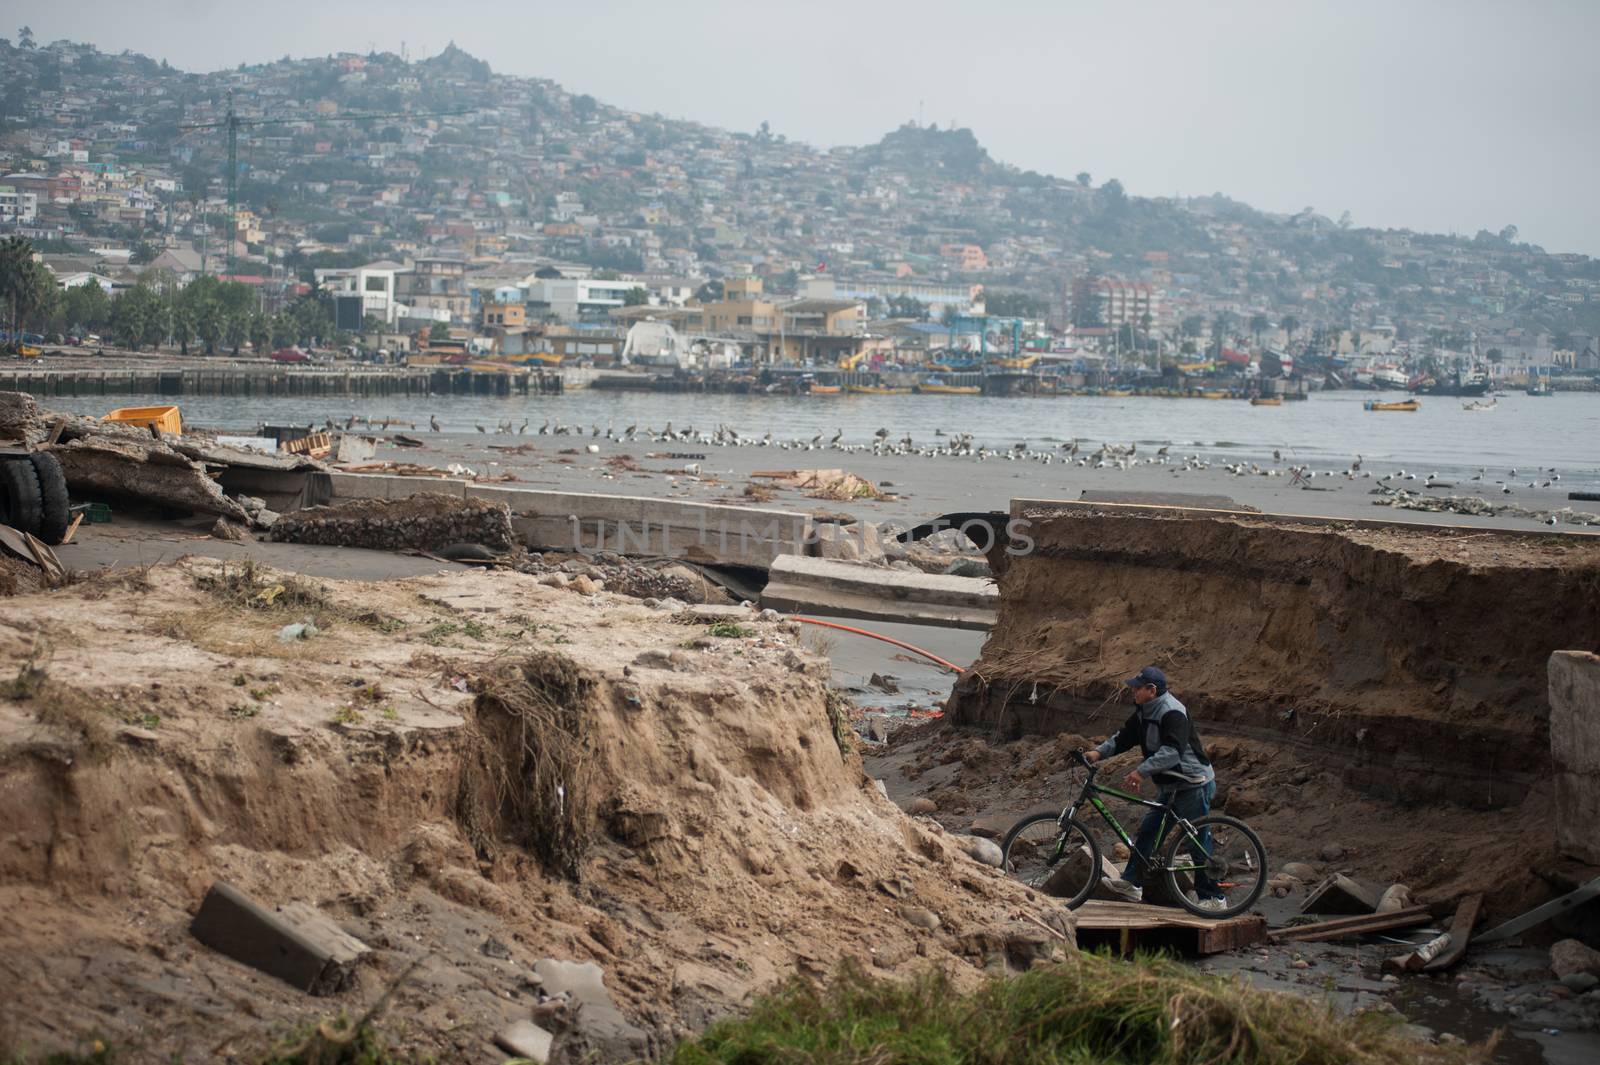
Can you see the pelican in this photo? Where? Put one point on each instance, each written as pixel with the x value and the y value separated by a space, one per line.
pixel 433 422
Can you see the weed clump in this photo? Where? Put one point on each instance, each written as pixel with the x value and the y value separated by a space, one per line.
pixel 249 585
pixel 1089 1008
pixel 730 630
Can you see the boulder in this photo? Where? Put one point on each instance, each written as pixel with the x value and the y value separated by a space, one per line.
pixel 922 805
pixel 1570 956
pixel 1395 897
pixel 979 849
pixel 1300 871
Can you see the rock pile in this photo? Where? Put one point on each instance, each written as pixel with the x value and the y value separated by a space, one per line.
pixel 426 522
pixel 624 576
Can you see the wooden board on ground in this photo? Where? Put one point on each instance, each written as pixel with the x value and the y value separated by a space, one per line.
pixel 1130 926
pixel 1460 933
pixel 1354 926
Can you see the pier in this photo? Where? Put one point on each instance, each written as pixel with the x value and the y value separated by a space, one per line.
pixel 274 380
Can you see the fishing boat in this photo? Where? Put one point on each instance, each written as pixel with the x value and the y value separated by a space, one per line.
pixel 1478 404
pixel 1409 404
pixel 877 390
pixel 1118 393
pixel 1213 394
pixel 1266 401
pixel 1541 388
pixel 825 390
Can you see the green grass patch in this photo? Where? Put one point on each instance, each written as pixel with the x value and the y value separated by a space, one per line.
pixel 730 630
pixel 1087 1009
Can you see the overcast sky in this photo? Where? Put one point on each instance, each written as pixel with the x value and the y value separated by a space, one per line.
pixel 1439 115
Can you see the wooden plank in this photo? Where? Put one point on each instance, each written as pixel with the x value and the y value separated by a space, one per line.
pixel 1460 931
pixel 1354 926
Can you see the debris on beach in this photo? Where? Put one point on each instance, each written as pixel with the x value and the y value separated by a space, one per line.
pixel 837 485
pixel 1478 506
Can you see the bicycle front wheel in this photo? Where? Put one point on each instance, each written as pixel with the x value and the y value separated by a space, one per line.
pixel 1217 870
pixel 1059 858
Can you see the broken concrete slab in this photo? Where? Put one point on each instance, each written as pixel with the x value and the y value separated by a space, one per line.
pixel 144 470
pixel 873 593
pixel 525 1039
pixel 298 944
pixel 600 1027
pixel 1574 678
pixel 1338 894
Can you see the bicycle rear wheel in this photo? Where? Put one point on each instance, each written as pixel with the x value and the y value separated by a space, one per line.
pixel 1059 858
pixel 1218 870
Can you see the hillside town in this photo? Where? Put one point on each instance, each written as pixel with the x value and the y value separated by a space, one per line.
pixel 395 205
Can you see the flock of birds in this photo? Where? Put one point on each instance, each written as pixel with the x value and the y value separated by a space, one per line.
pixel 965 445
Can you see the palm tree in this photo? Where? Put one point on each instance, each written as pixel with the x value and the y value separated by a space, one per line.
pixel 23 283
pixel 235 328
pixel 1290 323
pixel 260 333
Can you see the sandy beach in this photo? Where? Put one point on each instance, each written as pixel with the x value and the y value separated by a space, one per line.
pixel 918 487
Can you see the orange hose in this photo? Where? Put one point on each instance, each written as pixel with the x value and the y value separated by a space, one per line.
pixel 879 636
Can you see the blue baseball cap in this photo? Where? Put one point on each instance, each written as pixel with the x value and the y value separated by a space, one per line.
pixel 1149 675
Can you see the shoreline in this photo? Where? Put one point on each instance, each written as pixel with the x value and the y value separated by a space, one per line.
pixel 918 488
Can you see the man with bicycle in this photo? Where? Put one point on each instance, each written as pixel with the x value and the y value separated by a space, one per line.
pixel 1174 761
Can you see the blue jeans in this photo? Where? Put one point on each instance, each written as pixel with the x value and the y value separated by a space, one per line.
pixel 1190 803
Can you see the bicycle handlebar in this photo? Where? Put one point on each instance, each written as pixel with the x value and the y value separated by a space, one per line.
pixel 1077 752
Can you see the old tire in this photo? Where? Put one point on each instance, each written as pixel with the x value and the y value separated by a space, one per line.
pixel 19 496
pixel 55 512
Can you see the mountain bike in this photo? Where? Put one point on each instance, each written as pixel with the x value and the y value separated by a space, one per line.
pixel 1056 853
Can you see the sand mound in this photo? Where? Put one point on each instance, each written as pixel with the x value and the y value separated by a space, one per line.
pixel 1414 660
pixel 470 774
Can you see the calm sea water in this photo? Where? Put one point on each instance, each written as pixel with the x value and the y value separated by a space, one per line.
pixel 1327 431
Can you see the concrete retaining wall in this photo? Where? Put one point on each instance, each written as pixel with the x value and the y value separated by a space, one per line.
pixel 1575 750
pixel 708 533
pixel 819 585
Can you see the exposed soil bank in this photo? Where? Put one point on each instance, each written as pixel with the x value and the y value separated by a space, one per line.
pixel 400 770
pixel 1413 660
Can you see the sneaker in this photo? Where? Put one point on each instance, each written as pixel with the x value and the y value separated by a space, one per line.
pixel 1213 904
pixel 1125 889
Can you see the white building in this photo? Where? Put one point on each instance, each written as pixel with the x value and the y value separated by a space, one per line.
pixel 17 208
pixel 579 299
pixel 375 282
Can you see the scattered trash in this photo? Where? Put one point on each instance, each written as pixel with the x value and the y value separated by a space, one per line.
pixel 300 630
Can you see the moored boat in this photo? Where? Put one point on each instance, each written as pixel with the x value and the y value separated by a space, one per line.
pixel 1266 401
pixel 1409 404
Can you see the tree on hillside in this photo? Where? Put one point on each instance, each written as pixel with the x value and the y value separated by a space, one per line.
pixel 1083 178
pixel 635 297
pixel 1290 323
pixel 25 38
pixel 27 289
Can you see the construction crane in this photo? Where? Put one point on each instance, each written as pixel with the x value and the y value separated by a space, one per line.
pixel 233 123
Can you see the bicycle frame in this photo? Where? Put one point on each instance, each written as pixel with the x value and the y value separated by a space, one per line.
pixel 1091 794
